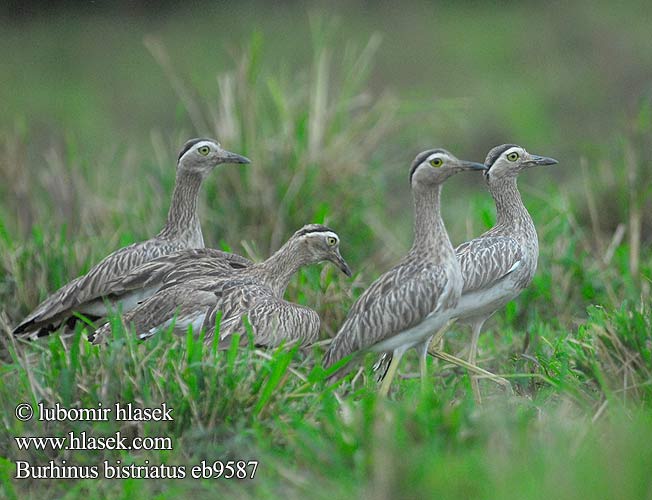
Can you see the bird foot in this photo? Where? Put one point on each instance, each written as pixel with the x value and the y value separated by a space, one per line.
pixel 476 370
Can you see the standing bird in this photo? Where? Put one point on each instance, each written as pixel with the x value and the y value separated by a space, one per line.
pixel 410 302
pixel 255 292
pixel 498 265
pixel 197 159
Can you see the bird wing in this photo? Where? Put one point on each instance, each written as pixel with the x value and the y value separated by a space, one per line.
pixel 176 267
pixel 230 299
pixel 93 284
pixel 183 302
pixel 397 301
pixel 276 321
pixel 272 320
pixel 486 260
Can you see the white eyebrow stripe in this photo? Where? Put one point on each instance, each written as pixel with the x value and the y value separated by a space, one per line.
pixel 203 143
pixel 439 154
pixel 324 233
pixel 513 150
pixel 200 144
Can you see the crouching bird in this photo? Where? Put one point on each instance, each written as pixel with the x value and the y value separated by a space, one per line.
pixel 254 292
pixel 91 293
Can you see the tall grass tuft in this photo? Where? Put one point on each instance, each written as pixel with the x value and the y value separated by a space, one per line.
pixel 305 132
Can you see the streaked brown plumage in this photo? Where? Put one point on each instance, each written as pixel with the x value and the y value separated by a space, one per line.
pixel 498 265
pixel 126 292
pixel 255 292
pixel 404 307
pixel 196 160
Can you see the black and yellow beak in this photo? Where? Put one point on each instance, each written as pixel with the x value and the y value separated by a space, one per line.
pixel 539 161
pixel 339 261
pixel 228 157
pixel 472 165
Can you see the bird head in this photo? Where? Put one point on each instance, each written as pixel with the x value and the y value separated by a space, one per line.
pixel 321 243
pixel 508 160
pixel 203 155
pixel 434 166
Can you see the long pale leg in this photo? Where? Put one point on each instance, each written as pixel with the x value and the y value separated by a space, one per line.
pixel 472 368
pixel 391 371
pixel 433 350
pixel 435 340
pixel 423 362
pixel 473 352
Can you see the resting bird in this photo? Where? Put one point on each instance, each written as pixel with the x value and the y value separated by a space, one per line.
pixel 255 292
pixel 127 292
pixel 406 305
pixel 84 295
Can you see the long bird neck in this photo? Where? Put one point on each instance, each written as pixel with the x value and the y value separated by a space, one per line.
pixel 279 268
pixel 430 235
pixel 182 216
pixel 510 210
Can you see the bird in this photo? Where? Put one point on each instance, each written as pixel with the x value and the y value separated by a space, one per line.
pixel 405 305
pixel 197 158
pixel 255 292
pixel 126 292
pixel 498 265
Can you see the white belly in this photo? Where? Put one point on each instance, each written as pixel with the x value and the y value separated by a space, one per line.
pixel 415 335
pixel 94 308
pixel 181 324
pixel 483 303
pixel 125 303
pixel 134 298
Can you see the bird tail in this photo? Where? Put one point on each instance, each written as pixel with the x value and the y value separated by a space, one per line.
pixel 334 356
pixel 382 365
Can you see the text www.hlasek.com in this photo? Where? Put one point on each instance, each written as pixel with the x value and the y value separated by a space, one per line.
pixel 83 441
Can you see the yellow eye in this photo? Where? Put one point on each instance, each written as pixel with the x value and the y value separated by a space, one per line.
pixel 331 241
pixel 436 162
pixel 204 150
pixel 512 156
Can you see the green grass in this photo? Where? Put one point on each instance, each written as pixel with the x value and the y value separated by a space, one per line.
pixel 331 117
pixel 571 428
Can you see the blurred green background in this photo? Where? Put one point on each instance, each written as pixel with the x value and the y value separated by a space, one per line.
pixel 566 79
pixel 332 102
pixel 557 76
